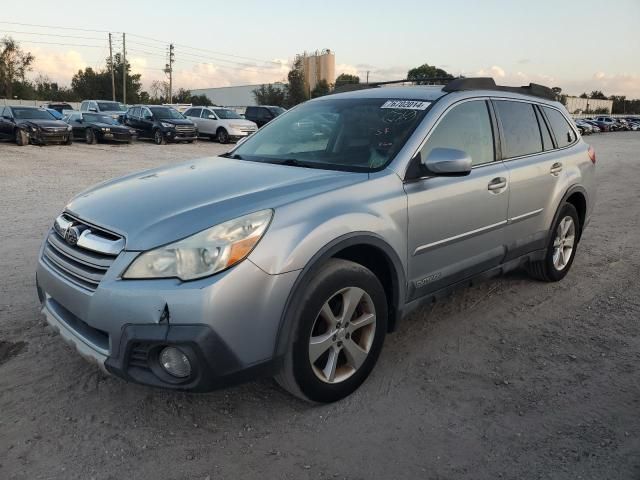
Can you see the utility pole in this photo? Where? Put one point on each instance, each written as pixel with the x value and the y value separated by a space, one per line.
pixel 367 77
pixel 124 71
pixel 169 71
pixel 113 73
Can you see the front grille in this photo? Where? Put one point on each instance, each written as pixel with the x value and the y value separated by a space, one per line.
pixel 139 356
pixel 185 129
pixel 81 266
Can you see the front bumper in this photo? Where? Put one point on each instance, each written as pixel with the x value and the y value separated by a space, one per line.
pixel 227 324
pixel 177 136
pixel 41 137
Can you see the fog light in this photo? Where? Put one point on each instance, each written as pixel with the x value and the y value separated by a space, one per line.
pixel 174 362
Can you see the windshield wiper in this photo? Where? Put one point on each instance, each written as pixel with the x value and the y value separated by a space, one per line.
pixel 293 162
pixel 235 156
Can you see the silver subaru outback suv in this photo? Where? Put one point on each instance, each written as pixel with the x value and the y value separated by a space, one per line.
pixel 294 254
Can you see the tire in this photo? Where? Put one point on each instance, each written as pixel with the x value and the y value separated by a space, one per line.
pixel 354 344
pixel 158 137
pixel 222 136
pixel 21 137
pixel 69 139
pixel 555 266
pixel 90 136
pixel 213 138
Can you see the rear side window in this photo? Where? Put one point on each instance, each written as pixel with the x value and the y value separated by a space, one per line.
pixel 195 112
pixel 547 143
pixel 520 130
pixel 466 127
pixel 565 135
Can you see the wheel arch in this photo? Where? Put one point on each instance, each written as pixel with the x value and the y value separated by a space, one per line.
pixel 576 195
pixel 364 248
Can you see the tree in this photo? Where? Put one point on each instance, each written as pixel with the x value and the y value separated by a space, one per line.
pixel 322 88
pixel 159 89
pixel 201 99
pixel 346 79
pixel 14 64
pixel 584 95
pixel 423 73
pixel 97 84
pixel 270 95
pixel 297 91
pixel 181 96
pixel 597 94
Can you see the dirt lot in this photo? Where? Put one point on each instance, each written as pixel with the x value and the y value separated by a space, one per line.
pixel 509 379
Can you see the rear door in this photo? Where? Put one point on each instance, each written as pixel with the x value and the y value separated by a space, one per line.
pixel 531 155
pixel 456 224
pixel 209 121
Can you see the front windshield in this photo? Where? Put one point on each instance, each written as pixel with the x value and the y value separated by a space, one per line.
pixel 111 107
pixel 96 117
pixel 165 112
pixel 341 134
pixel 226 114
pixel 22 113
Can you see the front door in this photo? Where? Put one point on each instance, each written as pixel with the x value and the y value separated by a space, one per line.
pixel 456 224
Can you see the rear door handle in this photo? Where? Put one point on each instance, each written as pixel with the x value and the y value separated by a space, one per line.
pixel 556 168
pixel 497 185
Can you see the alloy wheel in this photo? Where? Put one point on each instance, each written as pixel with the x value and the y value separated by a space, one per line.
pixel 342 335
pixel 564 242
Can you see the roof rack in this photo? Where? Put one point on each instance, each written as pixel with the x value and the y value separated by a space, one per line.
pixel 460 84
pixel 488 83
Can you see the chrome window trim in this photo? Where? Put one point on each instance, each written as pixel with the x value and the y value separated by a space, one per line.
pixel 461 236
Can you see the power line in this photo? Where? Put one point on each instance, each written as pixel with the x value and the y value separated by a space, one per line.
pixel 52 35
pixel 56 27
pixel 64 44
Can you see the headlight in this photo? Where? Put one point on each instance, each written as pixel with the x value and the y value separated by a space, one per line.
pixel 167 125
pixel 105 129
pixel 204 253
pixel 68 128
pixel 34 128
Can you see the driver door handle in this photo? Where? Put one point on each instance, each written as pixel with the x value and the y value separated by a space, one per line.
pixel 556 168
pixel 497 185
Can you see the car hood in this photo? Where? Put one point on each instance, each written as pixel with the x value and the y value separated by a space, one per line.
pixel 43 123
pixel 176 121
pixel 163 205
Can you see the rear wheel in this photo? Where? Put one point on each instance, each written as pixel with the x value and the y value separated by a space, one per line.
pixel 90 136
pixel 21 137
pixel 561 249
pixel 158 137
pixel 222 136
pixel 69 140
pixel 340 330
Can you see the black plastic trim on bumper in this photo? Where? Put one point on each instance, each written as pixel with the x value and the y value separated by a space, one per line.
pixel 213 364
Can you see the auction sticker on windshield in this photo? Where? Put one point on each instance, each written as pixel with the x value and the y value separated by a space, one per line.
pixel 406 104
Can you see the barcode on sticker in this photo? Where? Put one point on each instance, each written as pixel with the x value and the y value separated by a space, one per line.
pixel 406 104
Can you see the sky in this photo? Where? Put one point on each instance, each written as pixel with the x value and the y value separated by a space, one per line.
pixel 578 46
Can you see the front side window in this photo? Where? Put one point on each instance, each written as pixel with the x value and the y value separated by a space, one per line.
pixel 565 135
pixel 519 128
pixel 465 127
pixel 361 134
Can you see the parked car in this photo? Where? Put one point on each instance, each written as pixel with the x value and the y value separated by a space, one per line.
pixel 584 127
pixel 95 127
pixel 604 126
pixel 107 107
pixel 262 114
pixel 220 123
pixel 162 124
pixel 59 107
pixel 622 124
pixel 294 257
pixel 594 125
pixel 32 125
pixel 610 122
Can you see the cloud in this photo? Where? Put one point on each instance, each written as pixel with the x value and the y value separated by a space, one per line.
pixel 58 66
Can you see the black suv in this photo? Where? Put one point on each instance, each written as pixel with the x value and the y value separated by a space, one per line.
pixel 161 124
pixel 96 127
pixel 263 114
pixel 33 124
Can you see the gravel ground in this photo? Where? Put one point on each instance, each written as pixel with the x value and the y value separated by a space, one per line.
pixel 511 378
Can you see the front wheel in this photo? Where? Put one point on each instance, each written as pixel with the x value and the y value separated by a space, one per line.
pixel 90 136
pixel 158 138
pixel 223 136
pixel 21 137
pixel 339 332
pixel 561 249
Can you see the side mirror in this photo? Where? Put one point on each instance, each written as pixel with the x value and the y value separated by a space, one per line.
pixel 148 117
pixel 212 117
pixel 448 162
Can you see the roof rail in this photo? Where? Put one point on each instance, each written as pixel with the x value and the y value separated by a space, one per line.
pixel 488 83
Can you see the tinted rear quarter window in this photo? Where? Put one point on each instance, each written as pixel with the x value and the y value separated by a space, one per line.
pixel 565 135
pixel 547 143
pixel 521 135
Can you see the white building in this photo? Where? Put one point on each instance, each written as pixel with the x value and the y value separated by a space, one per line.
pixel 577 105
pixel 237 96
